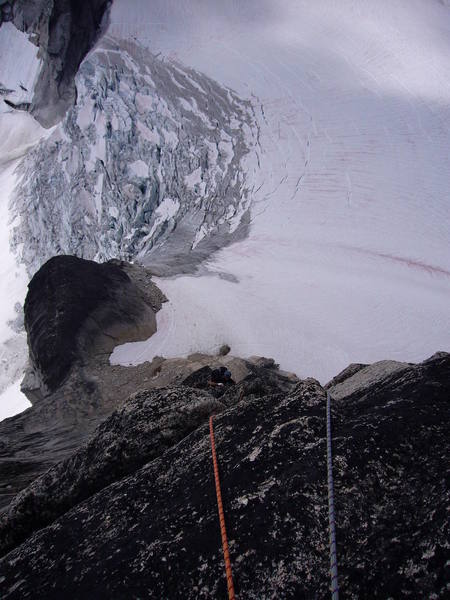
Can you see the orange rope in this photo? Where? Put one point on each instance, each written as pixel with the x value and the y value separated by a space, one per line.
pixel 223 531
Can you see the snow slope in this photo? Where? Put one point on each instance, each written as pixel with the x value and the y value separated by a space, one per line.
pixel 348 256
pixel 19 67
pixel 18 132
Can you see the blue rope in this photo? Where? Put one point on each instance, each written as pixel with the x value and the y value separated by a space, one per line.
pixel 331 516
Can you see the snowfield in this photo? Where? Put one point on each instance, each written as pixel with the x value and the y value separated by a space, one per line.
pixel 19 67
pixel 18 133
pixel 348 255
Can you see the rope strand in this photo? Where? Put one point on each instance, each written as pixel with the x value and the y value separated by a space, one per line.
pixel 223 531
pixel 331 513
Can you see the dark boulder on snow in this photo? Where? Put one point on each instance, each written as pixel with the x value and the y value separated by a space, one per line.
pixel 76 307
pixel 155 534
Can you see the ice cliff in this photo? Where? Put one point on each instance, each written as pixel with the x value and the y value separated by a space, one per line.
pixel 148 164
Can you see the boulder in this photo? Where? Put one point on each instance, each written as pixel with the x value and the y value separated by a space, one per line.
pixel 76 311
pixel 77 307
pixel 345 374
pixel 357 378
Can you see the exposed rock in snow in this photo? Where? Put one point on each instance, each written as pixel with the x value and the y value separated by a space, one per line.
pixel 64 31
pixel 19 68
pixel 141 134
pixel 155 532
pixel 76 312
pixel 77 308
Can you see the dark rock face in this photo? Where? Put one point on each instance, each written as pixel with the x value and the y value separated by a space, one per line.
pixel 155 532
pixel 150 423
pixel 391 448
pixel 65 31
pixel 69 294
pixel 58 424
pixel 358 380
pixel 199 379
pixel 162 521
pixel 6 13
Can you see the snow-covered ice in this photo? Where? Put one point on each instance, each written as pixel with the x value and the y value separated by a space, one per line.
pixel 128 144
pixel 12 401
pixel 348 256
pixel 19 66
pixel 18 132
pixel 19 69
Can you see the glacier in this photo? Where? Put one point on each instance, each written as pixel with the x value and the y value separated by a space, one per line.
pixel 148 162
pixel 347 257
pixel 151 152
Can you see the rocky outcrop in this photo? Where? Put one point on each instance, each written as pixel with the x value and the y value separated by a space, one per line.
pixel 77 308
pixel 154 533
pixel 171 522
pixel 65 31
pixel 57 425
pixel 391 447
pixel 76 312
pixel 6 13
pixel 345 374
pixel 357 378
pixel 149 424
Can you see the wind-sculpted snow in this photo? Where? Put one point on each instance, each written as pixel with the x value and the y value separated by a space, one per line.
pixel 150 151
